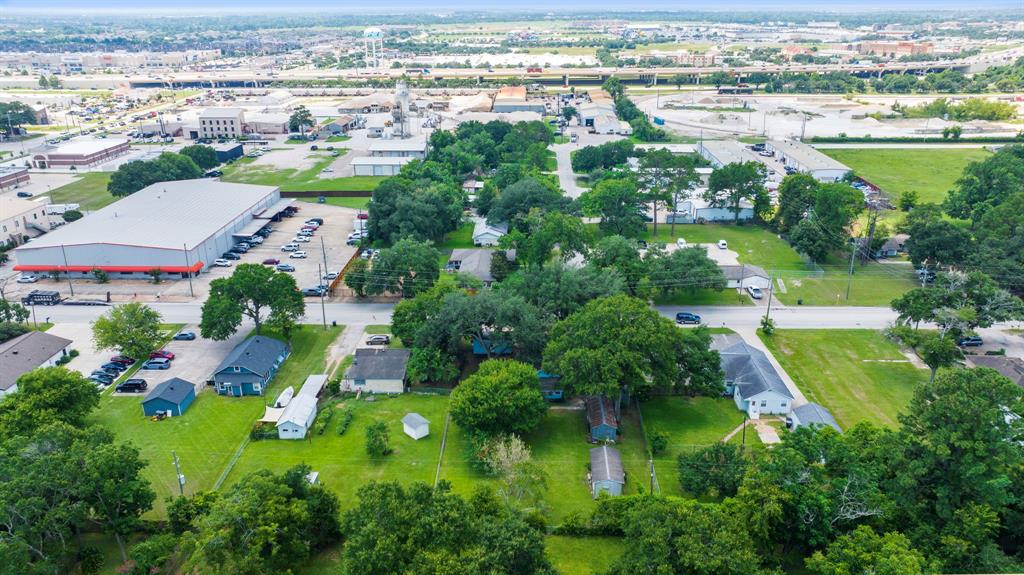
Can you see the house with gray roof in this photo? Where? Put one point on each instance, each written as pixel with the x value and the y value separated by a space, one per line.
pixel 26 352
pixel 171 398
pixel 485 234
pixel 476 262
pixel 606 472
pixel 250 367
pixel 811 415
pixel 377 370
pixel 743 276
pixel 755 385
pixel 1009 367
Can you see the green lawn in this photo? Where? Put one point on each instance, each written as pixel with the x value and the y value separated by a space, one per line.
pixel 384 330
pixel 212 429
pixel 89 190
pixel 753 244
pixel 583 555
pixel 292 179
pixel 333 139
pixel 930 172
pixel 857 373
pixel 875 284
pixel 691 422
pixel 460 238
pixel 559 446
pixel 353 203
pixel 704 297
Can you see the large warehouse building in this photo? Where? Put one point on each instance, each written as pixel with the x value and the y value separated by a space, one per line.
pixel 81 152
pixel 806 159
pixel 176 227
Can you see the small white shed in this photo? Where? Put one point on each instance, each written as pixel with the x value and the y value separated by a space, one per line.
pixel 415 425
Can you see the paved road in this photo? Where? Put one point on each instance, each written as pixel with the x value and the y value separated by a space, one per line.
pixel 899 146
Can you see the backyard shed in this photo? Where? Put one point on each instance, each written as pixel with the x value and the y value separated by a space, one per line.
pixel 415 425
pixel 171 397
pixel 298 415
pixel 601 419
pixel 606 473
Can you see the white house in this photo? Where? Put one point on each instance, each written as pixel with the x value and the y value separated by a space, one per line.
pixel 756 386
pixel 298 415
pixel 744 276
pixel 377 371
pixel 379 166
pixel 26 352
pixel 812 415
pixel 485 234
pixel 415 425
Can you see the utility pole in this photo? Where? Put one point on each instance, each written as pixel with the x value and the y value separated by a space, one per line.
pixel 872 221
pixel 771 292
pixel 323 252
pixel 323 309
pixel 181 477
pixel 849 281
pixel 188 270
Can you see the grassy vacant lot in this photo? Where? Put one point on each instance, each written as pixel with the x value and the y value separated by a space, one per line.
pixel 213 428
pixel 754 244
pixel 460 238
pixel 90 190
pixel 691 422
pixel 857 374
pixel 292 179
pixel 930 172
pixel 333 139
pixel 560 447
pixel 354 203
pixel 583 555
pixel 704 297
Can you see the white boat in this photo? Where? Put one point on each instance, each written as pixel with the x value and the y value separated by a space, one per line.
pixel 285 398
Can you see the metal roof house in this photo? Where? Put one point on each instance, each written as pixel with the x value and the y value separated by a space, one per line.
pixel 415 425
pixel 601 419
pixel 606 472
pixel 26 352
pixel 742 276
pixel 476 262
pixel 250 367
pixel 171 397
pixel 811 415
pixel 799 155
pixel 298 415
pixel 756 387
pixel 485 234
pixel 377 370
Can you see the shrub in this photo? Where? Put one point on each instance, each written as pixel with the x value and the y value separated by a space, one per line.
pixel 345 420
pixel 378 439
pixel 90 560
pixel 322 419
pixel 658 442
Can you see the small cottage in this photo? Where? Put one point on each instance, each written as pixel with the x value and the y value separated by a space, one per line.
pixel 172 398
pixel 601 419
pixel 606 473
pixel 551 386
pixel 26 352
pixel 415 426
pixel 485 234
pixel 811 415
pixel 250 367
pixel 751 379
pixel 377 370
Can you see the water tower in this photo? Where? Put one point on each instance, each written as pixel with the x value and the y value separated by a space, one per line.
pixel 373 46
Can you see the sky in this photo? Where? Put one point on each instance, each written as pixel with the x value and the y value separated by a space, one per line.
pixel 184 7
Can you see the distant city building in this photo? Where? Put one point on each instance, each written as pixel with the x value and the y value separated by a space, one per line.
pixel 83 62
pixel 217 123
pixel 895 49
pixel 12 177
pixel 80 152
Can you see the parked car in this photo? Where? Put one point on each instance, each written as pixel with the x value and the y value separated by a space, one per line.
pixel 230 256
pixel 113 374
pixel 317 221
pixel 363 216
pixel 133 385
pixel 123 359
pixel 24 195
pixel 161 353
pixel 367 254
pixel 157 363
pixel 765 153
pixel 314 148
pixel 239 249
pixel 687 317
pixel 301 239
pixel 290 247
pixel 755 292
pixel 304 233
pixel 299 255
pixel 28 279
pixel 330 275
pixel 101 379
pixel 114 366
pixel 285 268
pixel 970 341
pixel 213 174
pixel 723 245
pixel 353 241
pixel 222 263
pixel 184 336
pixel 271 262
pixel 313 292
pixel 379 339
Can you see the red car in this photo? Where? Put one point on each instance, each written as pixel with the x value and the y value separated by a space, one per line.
pixel 363 216
pixel 161 354
pixel 123 359
pixel 271 262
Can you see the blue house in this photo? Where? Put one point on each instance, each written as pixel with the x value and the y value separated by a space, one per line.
pixel 606 472
pixel 248 369
pixel 171 397
pixel 601 419
pixel 551 386
pixel 498 349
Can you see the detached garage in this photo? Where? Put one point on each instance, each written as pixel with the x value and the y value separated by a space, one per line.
pixel 379 165
pixel 171 397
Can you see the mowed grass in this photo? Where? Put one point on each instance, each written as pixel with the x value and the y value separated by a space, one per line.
pixel 460 238
pixel 342 461
pixel 728 296
pixel 353 203
pixel 89 190
pixel 875 284
pixel 929 172
pixel 213 428
pixel 691 423
pixel 293 179
pixel 857 374
pixel 753 244
pixel 583 555
pixel 559 446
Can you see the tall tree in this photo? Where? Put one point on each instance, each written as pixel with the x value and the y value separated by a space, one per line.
pixel 501 397
pixel 516 201
pixel 864 551
pixel 132 176
pixel 987 184
pixel 733 184
pixel 544 231
pixel 257 292
pixel 619 204
pixel 684 270
pixel 115 489
pixel 204 156
pixel 300 119
pixel 559 289
pixel 797 194
pixel 14 114
pixel 131 329
pixel 658 177
pixel 408 268
pixel 46 395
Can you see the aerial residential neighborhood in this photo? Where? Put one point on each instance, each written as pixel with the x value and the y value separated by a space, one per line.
pixel 503 290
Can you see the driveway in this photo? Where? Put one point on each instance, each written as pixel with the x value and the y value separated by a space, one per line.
pixel 194 360
pixel 80 334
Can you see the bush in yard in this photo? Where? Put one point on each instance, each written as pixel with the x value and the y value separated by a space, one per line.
pixel 11 330
pixel 767 325
pixel 345 420
pixel 72 216
pixel 378 439
pixel 90 560
pixel 333 387
pixel 322 419
pixel 100 275
pixel 657 441
pixel 503 396
pixel 716 470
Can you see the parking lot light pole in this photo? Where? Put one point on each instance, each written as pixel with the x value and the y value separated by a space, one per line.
pixel 188 271
pixel 323 308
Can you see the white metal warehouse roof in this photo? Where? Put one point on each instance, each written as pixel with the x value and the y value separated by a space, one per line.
pixel 166 215
pixel 85 146
pixel 808 158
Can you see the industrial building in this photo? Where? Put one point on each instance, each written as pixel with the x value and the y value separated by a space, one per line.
pixel 399 148
pixel 804 158
pixel 513 99
pixel 177 227
pixel 227 152
pixel 217 123
pixel 20 219
pixel 12 176
pixel 81 152
pixel 722 152
pixel 267 123
pixel 379 166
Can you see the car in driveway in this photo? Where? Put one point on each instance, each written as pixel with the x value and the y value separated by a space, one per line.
pixel 161 353
pixel 222 263
pixel 184 336
pixel 723 245
pixel 271 262
pixel 378 339
pixel 157 363
pixel 134 385
pixel 285 268
pixel 970 341
pixel 755 292
pixel 687 317
pixel 299 255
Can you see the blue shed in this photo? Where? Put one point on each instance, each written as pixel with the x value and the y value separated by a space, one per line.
pixel 601 419
pixel 551 386
pixel 250 367
pixel 171 397
pixel 606 473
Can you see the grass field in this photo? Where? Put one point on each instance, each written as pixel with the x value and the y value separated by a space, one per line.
pixel 460 238
pixel 704 297
pixel 354 203
pixel 857 374
pixel 212 429
pixel 292 179
pixel 333 139
pixel 89 190
pixel 583 555
pixel 691 422
pixel 930 172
